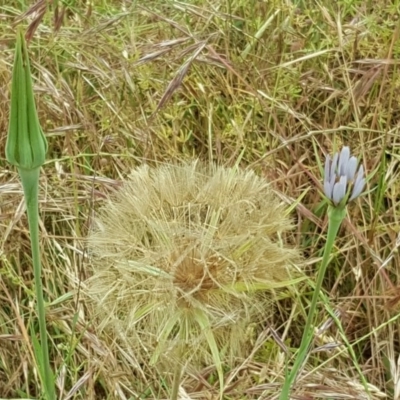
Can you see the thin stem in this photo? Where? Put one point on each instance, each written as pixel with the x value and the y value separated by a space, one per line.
pixel 177 380
pixel 178 366
pixel 336 216
pixel 30 184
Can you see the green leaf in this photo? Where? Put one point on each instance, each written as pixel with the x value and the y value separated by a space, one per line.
pixel 163 337
pixel 202 319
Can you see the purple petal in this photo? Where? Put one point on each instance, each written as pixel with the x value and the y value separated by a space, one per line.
pixel 328 189
pixel 351 168
pixel 332 183
pixel 360 173
pixel 358 187
pixel 327 168
pixel 334 165
pixel 343 160
pixel 339 190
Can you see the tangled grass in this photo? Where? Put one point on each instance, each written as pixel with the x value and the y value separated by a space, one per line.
pixel 273 84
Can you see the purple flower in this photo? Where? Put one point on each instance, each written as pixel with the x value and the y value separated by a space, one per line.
pixel 341 180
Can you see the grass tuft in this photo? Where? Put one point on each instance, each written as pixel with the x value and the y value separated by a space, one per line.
pixel 277 85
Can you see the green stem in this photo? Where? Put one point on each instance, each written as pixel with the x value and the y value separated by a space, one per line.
pixel 178 366
pixel 177 380
pixel 30 184
pixel 336 216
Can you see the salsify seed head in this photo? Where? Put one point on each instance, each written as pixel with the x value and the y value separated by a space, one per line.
pixel 182 251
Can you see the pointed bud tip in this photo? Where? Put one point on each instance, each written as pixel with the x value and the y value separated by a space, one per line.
pixel 26 144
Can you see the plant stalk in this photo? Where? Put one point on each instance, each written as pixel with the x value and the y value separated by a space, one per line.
pixel 30 184
pixel 336 216
pixel 177 381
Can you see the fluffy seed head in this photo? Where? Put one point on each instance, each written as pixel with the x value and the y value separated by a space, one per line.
pixel 184 258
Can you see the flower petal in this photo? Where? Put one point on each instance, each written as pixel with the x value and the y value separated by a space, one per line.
pixel 328 189
pixel 327 168
pixel 357 189
pixel 339 190
pixel 360 173
pixel 343 160
pixel 351 168
pixel 334 165
pixel 359 184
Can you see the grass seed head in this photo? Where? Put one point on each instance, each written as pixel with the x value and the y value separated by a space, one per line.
pixel 182 252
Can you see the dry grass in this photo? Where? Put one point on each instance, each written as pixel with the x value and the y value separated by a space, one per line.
pixel 121 84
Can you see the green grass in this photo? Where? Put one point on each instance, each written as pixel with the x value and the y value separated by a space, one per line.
pixel 271 83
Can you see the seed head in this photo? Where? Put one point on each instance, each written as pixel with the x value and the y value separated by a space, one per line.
pixel 341 182
pixel 184 252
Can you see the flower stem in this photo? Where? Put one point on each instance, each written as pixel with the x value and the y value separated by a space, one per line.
pixel 178 367
pixel 336 216
pixel 30 184
pixel 177 381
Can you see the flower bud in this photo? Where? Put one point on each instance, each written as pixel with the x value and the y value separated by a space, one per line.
pixel 26 145
pixel 342 182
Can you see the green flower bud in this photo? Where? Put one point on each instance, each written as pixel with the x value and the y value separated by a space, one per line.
pixel 26 145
